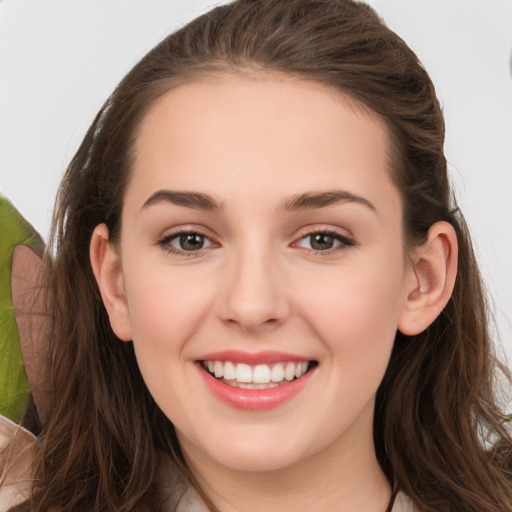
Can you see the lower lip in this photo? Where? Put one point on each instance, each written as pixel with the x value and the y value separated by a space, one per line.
pixel 254 399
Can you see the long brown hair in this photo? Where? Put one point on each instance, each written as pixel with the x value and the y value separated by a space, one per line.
pixel 439 433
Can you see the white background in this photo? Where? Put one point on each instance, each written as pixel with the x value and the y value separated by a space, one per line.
pixel 60 59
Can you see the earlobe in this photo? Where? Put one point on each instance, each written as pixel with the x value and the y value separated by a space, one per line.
pixel 431 279
pixel 106 265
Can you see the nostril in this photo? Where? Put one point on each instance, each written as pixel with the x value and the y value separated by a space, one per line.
pixel 253 323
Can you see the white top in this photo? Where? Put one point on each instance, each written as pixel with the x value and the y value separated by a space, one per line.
pixel 16 450
pixel 403 504
pixel 192 503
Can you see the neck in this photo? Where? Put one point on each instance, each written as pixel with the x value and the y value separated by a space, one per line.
pixel 345 477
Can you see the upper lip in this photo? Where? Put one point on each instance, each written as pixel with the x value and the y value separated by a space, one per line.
pixel 253 358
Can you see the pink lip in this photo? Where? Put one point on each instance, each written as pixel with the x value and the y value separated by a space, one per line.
pixel 266 357
pixel 254 399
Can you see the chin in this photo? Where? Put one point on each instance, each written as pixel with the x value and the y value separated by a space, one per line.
pixel 259 460
pixel 255 450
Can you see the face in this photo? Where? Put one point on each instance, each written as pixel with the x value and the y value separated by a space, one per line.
pixel 262 269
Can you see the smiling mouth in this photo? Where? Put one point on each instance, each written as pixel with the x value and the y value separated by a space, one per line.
pixel 260 376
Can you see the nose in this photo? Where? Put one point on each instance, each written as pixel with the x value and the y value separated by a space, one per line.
pixel 254 293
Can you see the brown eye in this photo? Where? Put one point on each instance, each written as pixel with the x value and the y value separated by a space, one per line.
pixel 185 242
pixel 191 242
pixel 324 241
pixel 321 241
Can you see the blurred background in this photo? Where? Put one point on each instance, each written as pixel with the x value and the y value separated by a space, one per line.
pixel 60 59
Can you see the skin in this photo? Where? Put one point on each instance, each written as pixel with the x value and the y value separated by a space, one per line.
pixel 253 144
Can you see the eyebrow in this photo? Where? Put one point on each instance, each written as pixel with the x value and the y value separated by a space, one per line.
pixel 194 200
pixel 305 201
pixel 315 200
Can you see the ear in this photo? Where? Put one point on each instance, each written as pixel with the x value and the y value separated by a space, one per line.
pixel 430 280
pixel 106 265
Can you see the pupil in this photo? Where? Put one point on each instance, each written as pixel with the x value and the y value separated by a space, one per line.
pixel 191 242
pixel 321 242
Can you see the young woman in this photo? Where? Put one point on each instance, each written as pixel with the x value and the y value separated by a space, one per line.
pixel 263 294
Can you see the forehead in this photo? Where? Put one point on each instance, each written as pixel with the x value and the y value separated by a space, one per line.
pixel 263 131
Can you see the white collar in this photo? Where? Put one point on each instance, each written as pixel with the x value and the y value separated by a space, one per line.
pixel 15 488
pixel 191 502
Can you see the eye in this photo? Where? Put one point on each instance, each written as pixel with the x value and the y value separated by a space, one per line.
pixel 184 242
pixel 323 241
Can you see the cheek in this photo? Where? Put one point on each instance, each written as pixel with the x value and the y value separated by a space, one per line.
pixel 165 308
pixel 165 311
pixel 354 311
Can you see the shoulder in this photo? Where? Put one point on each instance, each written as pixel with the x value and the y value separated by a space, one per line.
pixel 17 450
pixel 403 504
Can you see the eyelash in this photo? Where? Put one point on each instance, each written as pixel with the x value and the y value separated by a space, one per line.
pixel 165 242
pixel 344 241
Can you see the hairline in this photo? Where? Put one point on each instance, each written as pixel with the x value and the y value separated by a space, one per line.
pixel 217 71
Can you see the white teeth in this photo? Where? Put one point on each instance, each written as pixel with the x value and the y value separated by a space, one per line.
pixel 277 373
pixel 252 377
pixel 229 371
pixel 243 373
pixel 243 385
pixel 289 371
pixel 261 374
pixel 218 369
